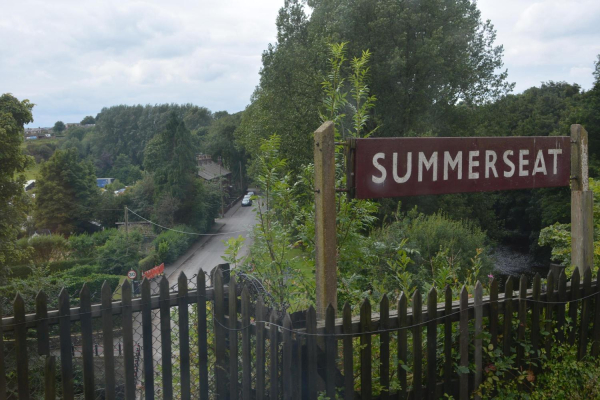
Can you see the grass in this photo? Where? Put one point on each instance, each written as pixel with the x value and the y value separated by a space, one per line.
pixel 32 172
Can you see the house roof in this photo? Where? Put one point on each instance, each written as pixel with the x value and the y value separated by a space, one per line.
pixel 210 170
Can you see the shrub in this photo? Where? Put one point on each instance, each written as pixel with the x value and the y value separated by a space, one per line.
pixel 170 245
pixel 48 248
pixel 83 270
pixel 93 281
pixel 23 271
pixel 120 253
pixel 148 262
pixel 82 246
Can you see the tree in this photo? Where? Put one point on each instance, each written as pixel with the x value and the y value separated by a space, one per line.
pixel 66 193
pixel 89 120
pixel 170 157
pixel 13 201
pixel 59 127
pixel 426 59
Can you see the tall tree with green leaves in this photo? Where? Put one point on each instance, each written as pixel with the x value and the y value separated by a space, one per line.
pixel 170 156
pixel 59 127
pixel 66 193
pixel 13 202
pixel 426 58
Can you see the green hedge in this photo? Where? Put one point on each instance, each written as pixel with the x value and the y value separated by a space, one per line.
pixel 93 281
pixel 23 271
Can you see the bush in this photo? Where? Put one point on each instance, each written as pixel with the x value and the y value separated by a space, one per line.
pixel 48 248
pixel 563 376
pixel 148 262
pixel 440 240
pixel 171 245
pixel 23 271
pixel 120 253
pixel 82 246
pixel 84 270
pixel 93 281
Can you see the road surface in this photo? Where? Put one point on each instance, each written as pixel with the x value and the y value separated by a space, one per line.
pixel 207 252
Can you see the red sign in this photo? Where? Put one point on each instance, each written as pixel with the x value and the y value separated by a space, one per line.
pixel 393 167
pixel 154 272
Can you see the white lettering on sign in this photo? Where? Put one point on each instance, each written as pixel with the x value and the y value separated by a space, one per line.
pixel 540 164
pixel 406 176
pixel 523 162
pixel 376 158
pixel 473 163
pixel 428 164
pixel 555 153
pixel 511 171
pixel 490 163
pixel 455 164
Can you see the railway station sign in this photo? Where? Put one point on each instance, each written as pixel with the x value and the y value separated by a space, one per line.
pixel 394 167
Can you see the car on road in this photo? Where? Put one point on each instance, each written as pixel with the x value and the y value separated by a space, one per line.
pixel 250 194
pixel 246 201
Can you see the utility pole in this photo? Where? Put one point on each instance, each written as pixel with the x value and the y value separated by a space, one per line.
pixel 221 187
pixel 126 223
pixel 241 179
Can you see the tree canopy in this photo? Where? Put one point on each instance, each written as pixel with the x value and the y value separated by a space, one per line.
pixel 13 204
pixel 89 120
pixel 59 127
pixel 66 193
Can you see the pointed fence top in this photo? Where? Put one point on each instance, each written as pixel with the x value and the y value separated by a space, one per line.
pixel 85 290
pixel 106 289
pixel 576 274
pixel 41 296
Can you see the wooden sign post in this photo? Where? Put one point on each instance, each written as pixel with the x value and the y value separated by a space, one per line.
pixel 325 219
pixel 582 202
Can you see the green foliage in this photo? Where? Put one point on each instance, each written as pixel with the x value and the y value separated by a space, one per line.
pixel 558 236
pixel 13 202
pixel 48 248
pixel 94 282
pixel 170 245
pixel 59 127
pixel 39 279
pixel 442 241
pixel 232 250
pixel 564 376
pixel 66 193
pixel 124 171
pixel 23 271
pixel 82 246
pixel 120 253
pixel 149 261
pixel 220 142
pixel 89 120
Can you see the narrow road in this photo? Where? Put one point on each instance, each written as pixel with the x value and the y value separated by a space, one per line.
pixel 207 252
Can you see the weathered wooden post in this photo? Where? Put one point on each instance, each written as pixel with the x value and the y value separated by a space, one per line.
pixel 582 202
pixel 325 215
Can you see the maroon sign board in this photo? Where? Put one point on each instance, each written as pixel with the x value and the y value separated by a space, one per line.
pixel 394 167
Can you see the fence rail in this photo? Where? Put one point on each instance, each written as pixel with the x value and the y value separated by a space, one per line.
pixel 215 342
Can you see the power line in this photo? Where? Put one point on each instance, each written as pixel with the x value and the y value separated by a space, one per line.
pixel 183 232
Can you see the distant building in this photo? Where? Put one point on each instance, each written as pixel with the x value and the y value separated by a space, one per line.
pixel 212 171
pixel 101 182
pixel 72 124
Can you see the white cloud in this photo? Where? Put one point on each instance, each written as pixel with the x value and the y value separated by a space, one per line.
pixel 546 40
pixel 73 58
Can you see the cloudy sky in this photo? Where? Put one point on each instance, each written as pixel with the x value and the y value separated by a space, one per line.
pixel 71 58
